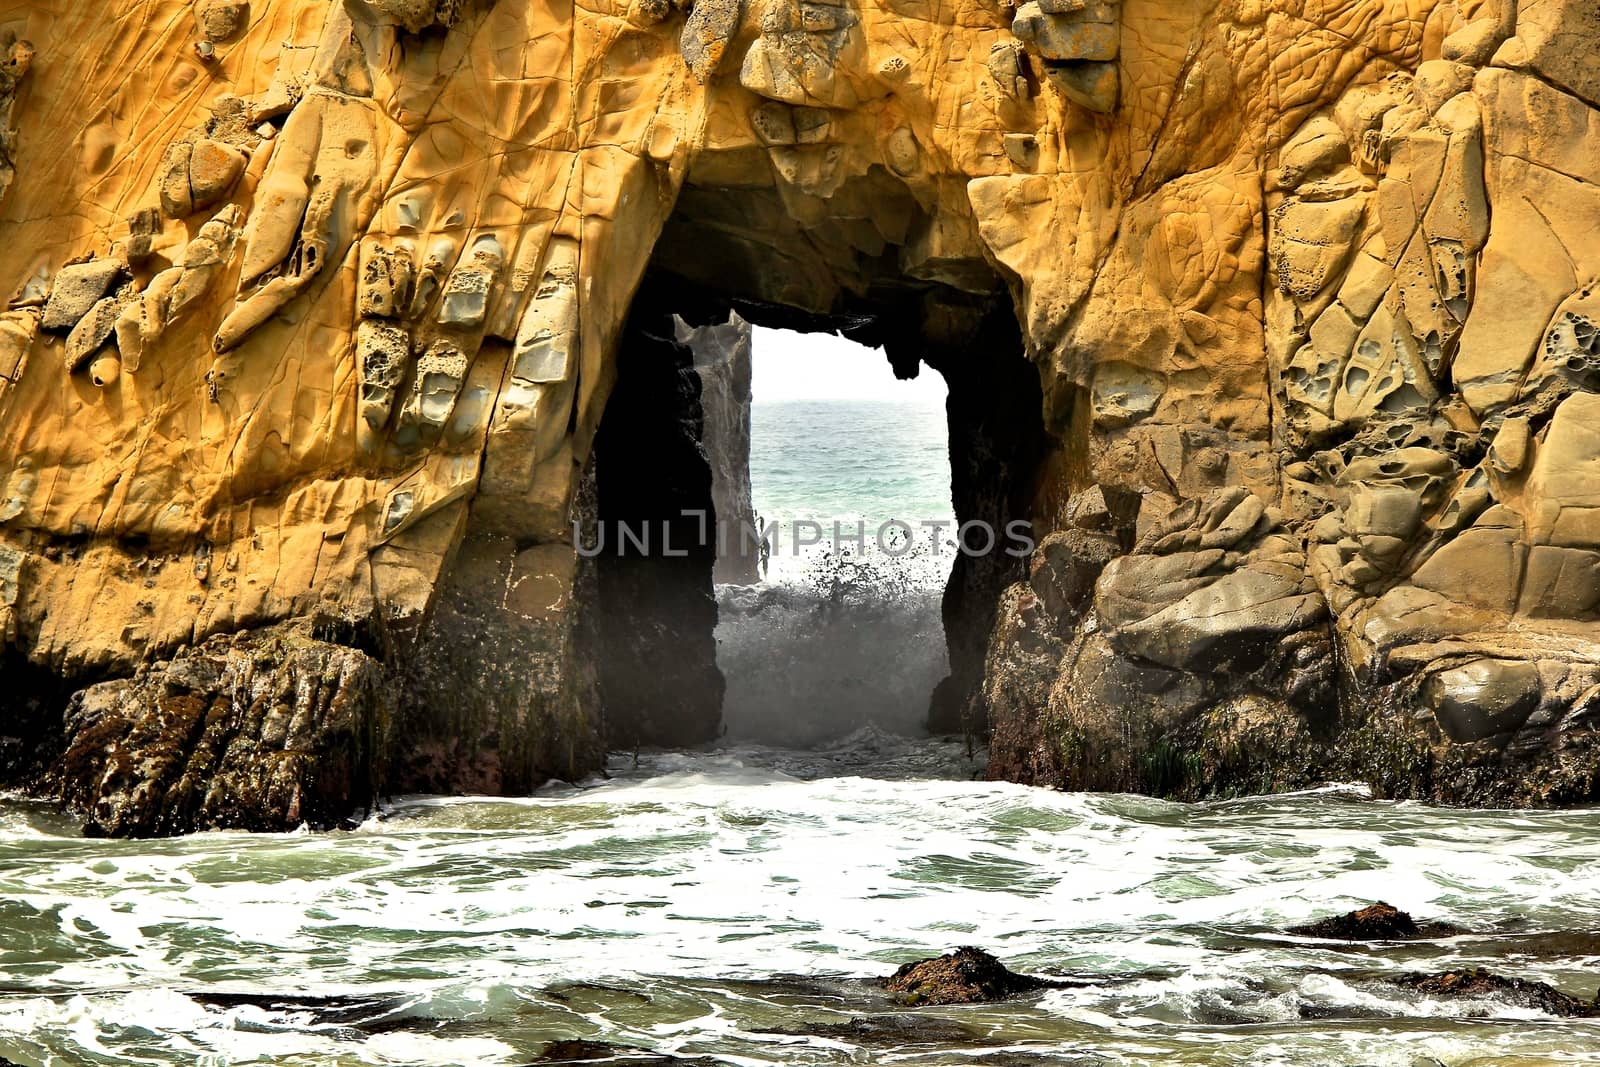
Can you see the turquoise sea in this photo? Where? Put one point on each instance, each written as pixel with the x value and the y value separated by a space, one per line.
pixel 847 459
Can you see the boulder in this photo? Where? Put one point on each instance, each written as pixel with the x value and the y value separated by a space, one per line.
pixel 1478 983
pixel 1232 621
pixel 578 1050
pixel 1483 698
pixel 1065 567
pixel 77 289
pixel 1375 922
pixel 966 976
pixel 256 731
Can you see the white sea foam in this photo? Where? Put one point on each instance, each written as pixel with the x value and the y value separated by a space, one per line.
pixel 668 884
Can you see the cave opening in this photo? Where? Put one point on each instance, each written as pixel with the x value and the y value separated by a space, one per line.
pixel 849 483
pixel 662 607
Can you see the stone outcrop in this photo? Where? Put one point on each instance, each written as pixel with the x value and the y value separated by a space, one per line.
pixel 262 731
pixel 1276 321
pixel 1375 922
pixel 590 1052
pixel 966 976
pixel 722 362
pixel 1476 983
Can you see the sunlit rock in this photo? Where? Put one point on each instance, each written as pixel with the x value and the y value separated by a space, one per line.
pixel 1306 302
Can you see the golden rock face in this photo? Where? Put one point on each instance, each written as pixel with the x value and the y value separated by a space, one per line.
pixel 305 296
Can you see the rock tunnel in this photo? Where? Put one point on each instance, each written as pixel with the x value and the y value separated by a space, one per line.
pixel 659 683
pixel 631 634
pixel 640 641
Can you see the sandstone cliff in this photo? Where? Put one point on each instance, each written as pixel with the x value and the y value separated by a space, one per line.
pixel 1281 315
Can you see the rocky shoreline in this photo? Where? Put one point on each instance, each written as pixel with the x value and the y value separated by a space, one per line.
pixel 1277 325
pixel 1205 662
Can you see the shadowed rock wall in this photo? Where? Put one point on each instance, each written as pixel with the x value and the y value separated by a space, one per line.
pixel 656 547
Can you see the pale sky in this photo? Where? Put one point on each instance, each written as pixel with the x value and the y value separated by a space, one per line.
pixel 820 366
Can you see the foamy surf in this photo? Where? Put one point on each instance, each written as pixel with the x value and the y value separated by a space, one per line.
pixel 733 903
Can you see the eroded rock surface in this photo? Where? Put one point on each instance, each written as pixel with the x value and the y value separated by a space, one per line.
pixel 263 731
pixel 722 362
pixel 1277 322
pixel 580 1051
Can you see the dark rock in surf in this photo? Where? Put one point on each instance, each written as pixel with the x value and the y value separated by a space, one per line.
pixel 580 1051
pixel 1375 922
pixel 965 976
pixel 1476 982
pixel 261 730
pixel 894 1031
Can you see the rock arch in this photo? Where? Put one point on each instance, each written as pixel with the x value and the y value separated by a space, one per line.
pixel 315 318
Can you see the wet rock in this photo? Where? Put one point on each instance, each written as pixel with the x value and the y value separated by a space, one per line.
pixel 1483 698
pixel 894 1030
pixel 580 1051
pixel 367 1013
pixel 1478 983
pixel 258 731
pixel 1549 944
pixel 1375 922
pixel 966 976
pixel 1020 666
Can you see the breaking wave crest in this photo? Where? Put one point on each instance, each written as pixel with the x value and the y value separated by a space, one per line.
pixel 832 643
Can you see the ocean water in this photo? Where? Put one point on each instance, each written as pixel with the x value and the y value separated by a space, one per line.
pixel 847 459
pixel 736 905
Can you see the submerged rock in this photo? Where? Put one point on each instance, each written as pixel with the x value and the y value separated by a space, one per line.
pixel 1477 982
pixel 966 976
pixel 580 1051
pixel 1375 922
pixel 894 1030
